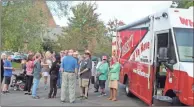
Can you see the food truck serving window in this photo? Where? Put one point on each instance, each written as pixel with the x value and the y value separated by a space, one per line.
pixel 184 40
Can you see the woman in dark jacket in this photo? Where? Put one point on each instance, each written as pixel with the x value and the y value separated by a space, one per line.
pixel 54 71
pixel 2 70
pixel 3 57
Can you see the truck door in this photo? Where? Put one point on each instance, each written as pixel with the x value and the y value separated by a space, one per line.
pixel 163 74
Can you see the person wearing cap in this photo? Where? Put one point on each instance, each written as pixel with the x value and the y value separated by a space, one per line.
pixel 102 74
pixel 69 68
pixel 113 79
pixel 85 74
pixel 54 71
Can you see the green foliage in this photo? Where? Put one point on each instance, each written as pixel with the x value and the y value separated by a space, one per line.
pixel 184 3
pixel 85 30
pixel 22 21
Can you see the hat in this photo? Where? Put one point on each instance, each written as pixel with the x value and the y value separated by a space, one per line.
pixel 104 57
pixel 87 52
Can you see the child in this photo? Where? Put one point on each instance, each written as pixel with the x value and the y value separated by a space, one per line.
pixel 37 74
pixel 7 74
pixel 23 65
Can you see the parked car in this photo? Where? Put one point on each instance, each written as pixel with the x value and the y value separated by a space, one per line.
pixel 17 58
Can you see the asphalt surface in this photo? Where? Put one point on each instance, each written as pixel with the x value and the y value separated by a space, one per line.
pixel 17 98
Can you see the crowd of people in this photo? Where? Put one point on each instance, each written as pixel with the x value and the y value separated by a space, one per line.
pixel 64 70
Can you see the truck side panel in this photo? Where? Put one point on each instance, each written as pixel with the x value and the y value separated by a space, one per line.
pixel 135 56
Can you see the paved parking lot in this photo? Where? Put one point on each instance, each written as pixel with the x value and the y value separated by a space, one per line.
pixel 17 98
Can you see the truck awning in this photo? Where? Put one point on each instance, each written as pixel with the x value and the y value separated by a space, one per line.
pixel 135 23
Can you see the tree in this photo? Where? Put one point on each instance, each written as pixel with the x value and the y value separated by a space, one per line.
pixel 22 21
pixel 85 30
pixel 184 3
pixel 113 25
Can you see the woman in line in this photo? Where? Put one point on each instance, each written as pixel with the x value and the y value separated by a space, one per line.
pixel 46 64
pixel 102 74
pixel 113 79
pixel 54 71
pixel 29 75
pixel 37 74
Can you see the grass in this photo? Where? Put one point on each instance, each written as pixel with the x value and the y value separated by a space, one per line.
pixel 16 65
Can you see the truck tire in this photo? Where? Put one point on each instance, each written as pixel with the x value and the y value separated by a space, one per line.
pixel 176 101
pixel 127 91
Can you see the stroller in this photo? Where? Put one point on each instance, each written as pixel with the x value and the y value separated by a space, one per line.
pixel 18 82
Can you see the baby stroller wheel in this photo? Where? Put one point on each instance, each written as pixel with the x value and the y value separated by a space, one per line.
pixel 15 88
pixel 21 87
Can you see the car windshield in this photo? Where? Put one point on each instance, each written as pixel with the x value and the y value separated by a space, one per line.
pixel 184 38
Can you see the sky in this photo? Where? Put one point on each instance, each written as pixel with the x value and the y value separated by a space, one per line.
pixel 127 11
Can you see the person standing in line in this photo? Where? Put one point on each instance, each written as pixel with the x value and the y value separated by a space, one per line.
pixel 81 60
pixel 113 79
pixel 46 64
pixel 96 84
pixel 69 68
pixel 102 74
pixel 37 74
pixel 3 58
pixel 7 73
pixel 29 75
pixel 85 75
pixel 75 55
pixel 59 81
pixel 94 63
pixel 54 71
pixel 59 74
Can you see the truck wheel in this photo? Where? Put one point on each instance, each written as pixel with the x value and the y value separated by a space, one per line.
pixel 128 93
pixel 176 101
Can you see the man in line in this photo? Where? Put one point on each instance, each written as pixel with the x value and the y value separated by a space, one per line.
pixel 85 74
pixel 69 68
pixel 7 74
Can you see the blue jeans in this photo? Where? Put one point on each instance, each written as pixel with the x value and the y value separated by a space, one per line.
pixel 35 86
pixel 59 80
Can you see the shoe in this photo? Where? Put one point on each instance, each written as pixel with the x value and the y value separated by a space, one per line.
pixel 84 97
pixel 104 94
pixel 29 93
pixel 62 101
pixel 80 97
pixel 36 97
pixel 96 91
pixel 7 91
pixel 25 93
pixel 53 96
pixel 72 102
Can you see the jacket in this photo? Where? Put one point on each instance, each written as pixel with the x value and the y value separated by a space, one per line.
pixel 114 72
pixel 103 70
